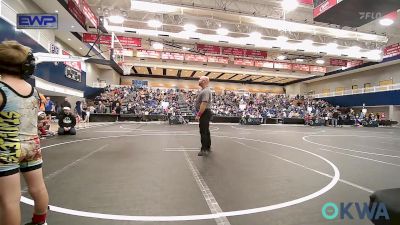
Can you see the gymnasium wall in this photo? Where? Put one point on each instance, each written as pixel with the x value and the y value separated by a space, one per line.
pixel 92 74
pixel 369 99
pixel 193 84
pixel 110 77
pixel 373 77
pixel 295 89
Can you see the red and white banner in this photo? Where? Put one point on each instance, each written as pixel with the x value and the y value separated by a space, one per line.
pixel 84 8
pixel 211 49
pixel 76 12
pixel 195 58
pixel 218 59
pixel 124 52
pixel 301 67
pixel 148 54
pixel 243 62
pixel 354 63
pixel 285 66
pixel 264 64
pixel 338 62
pixel 328 4
pixel 173 56
pixel 306 2
pixel 75 65
pixel 318 69
pixel 233 51
pixel 255 53
pixel 89 13
pixel 392 50
pixel 106 40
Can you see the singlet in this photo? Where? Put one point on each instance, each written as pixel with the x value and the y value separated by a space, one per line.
pixel 18 124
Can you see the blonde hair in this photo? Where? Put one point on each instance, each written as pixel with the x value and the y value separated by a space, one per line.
pixel 13 53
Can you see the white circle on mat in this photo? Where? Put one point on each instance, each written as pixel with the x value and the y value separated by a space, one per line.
pixel 318 193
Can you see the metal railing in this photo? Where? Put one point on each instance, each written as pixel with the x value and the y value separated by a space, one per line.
pixel 374 89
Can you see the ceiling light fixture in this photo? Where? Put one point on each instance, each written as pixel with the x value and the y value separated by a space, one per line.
pixel 222 31
pixel 386 22
pixel 152 7
pixel 282 38
pixel 190 27
pixel 376 51
pixel 281 57
pixel 154 23
pixel 388 19
pixel 299 60
pixel 355 48
pixel 332 45
pixel 320 61
pixel 116 19
pixel 255 35
pixel 158 46
pixel 289 5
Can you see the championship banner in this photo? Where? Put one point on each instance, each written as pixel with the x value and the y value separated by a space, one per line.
pixel 211 49
pixel 148 54
pixel 243 62
pixel 106 40
pixel 301 67
pixel 354 63
pixel 338 62
pixel 323 7
pixel 76 12
pixel 264 64
pixel 173 56
pixel 73 70
pixel 318 69
pixel 218 59
pixel 196 58
pixel 75 65
pixel 255 53
pixel 233 51
pixel 392 50
pixel 286 66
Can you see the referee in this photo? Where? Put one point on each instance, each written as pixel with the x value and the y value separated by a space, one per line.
pixel 203 105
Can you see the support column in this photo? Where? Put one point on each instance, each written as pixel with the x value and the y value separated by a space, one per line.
pixel 394 113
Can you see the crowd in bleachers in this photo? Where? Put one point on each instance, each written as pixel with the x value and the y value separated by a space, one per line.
pixel 128 100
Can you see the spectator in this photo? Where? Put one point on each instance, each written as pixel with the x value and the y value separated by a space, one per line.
pixel 44 125
pixel 65 103
pixel 117 108
pixel 335 117
pixel 78 108
pixel 49 108
pixel 67 122
pixel 43 102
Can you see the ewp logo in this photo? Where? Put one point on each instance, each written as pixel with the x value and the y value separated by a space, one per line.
pixel 37 21
pixel 331 211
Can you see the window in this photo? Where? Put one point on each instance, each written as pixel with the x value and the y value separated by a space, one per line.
pixel 326 91
pixel 339 90
pixel 354 87
pixel 385 82
pixel 367 87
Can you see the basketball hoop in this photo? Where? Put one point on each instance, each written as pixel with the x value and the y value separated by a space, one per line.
pixel 127 67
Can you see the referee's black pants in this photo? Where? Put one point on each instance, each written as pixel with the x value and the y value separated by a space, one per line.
pixel 204 126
